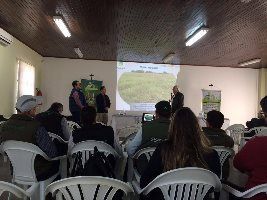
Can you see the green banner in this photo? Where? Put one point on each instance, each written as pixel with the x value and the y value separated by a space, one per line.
pixel 91 88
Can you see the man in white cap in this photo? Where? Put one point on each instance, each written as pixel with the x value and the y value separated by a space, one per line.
pixel 23 127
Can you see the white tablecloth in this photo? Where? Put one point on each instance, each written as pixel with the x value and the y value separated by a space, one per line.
pixel 120 121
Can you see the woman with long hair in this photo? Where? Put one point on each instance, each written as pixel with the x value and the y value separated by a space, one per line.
pixel 186 146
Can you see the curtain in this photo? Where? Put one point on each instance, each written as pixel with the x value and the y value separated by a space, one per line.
pixel 26 79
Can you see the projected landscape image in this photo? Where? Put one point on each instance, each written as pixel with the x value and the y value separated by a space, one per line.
pixel 141 87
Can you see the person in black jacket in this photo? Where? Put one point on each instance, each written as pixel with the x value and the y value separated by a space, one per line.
pixel 177 100
pixel 77 101
pixel 178 152
pixel 102 104
pixel 91 130
pixel 53 121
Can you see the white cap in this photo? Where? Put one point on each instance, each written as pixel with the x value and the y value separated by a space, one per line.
pixel 26 103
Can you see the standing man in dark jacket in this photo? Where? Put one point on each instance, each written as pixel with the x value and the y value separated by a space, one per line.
pixel 76 101
pixel 102 104
pixel 177 100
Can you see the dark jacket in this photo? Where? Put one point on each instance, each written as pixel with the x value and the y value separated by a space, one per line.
pixel 72 104
pixel 102 101
pixel 23 128
pixel 177 102
pixel 51 121
pixel 218 137
pixel 154 132
pixel 96 131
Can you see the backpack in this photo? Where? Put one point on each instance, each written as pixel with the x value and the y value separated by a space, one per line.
pixel 97 165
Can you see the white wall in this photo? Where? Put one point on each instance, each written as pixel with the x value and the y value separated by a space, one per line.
pixel 58 74
pixel 239 86
pixel 239 89
pixel 8 72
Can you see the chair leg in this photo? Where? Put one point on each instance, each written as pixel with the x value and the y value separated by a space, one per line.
pixel 42 190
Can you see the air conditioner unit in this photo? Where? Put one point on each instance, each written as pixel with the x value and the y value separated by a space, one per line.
pixel 5 38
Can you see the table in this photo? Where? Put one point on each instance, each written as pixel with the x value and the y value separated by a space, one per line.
pixel 120 121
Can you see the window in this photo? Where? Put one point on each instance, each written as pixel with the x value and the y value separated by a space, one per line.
pixel 26 78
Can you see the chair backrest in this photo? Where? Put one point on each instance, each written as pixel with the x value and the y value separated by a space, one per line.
pixel 22 156
pixel 87 147
pixel 9 187
pixel 248 193
pixel 236 131
pixel 185 183
pixel 73 125
pixel 88 187
pixel 148 152
pixel 224 153
pixel 57 137
pixel 260 131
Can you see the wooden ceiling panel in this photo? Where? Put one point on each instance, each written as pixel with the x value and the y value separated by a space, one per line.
pixel 142 30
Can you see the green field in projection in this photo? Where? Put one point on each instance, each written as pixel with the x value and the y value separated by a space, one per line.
pixel 145 87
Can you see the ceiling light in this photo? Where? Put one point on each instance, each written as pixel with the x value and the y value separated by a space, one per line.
pixel 196 36
pixel 249 62
pixel 62 26
pixel 78 52
pixel 168 58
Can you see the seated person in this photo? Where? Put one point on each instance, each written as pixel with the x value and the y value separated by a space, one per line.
pixel 23 127
pixel 153 132
pixel 177 152
pixel 257 122
pixel 217 136
pixel 251 159
pixel 91 130
pixel 213 131
pixel 53 121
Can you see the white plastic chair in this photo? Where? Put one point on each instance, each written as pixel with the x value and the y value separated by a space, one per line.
pixel 236 131
pixel 22 156
pixel 87 147
pixel 246 194
pixel 63 162
pixel 184 183
pixel 72 125
pixel 17 191
pixel 147 152
pixel 224 153
pixel 57 137
pixel 262 130
pixel 102 187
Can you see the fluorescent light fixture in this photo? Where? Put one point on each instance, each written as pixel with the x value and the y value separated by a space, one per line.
pixel 168 58
pixel 78 52
pixel 62 26
pixel 249 62
pixel 196 36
